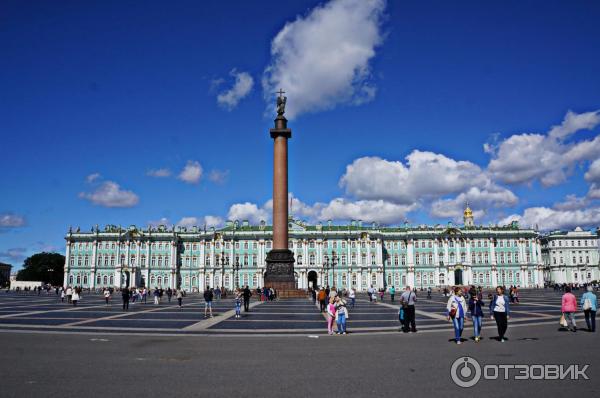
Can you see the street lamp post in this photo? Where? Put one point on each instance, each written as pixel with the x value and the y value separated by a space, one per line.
pixel 333 262
pixel 326 267
pixel 222 267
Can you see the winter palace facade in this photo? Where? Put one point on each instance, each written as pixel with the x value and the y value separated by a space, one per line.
pixel 354 255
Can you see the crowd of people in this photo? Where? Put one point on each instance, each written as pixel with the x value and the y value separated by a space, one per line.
pixel 464 303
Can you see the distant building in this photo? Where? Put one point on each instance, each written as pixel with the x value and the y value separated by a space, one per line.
pixel 355 255
pixel 571 257
pixel 5 273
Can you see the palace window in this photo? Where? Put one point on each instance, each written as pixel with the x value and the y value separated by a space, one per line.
pixel 417 259
pixel 112 262
pixel 207 261
pixel 343 244
pixel 160 261
pixel 404 259
pixel 166 261
pixel 472 258
pixel 487 258
pixel 452 258
pixel 396 259
pixel 254 262
pixel 363 259
pixel 299 259
pixel 79 279
pixel 343 259
pixel 143 261
pixel 353 258
pixel 268 244
pixel 372 259
pixel 311 259
pixel 105 280
pixel 98 280
pixel 463 257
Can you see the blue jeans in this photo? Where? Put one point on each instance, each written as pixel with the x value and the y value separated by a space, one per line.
pixel 238 307
pixel 459 324
pixel 341 323
pixel 477 325
pixel 352 302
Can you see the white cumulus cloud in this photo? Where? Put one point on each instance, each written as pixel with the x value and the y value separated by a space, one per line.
pixel 322 59
pixel 242 86
pixel 110 194
pixel 248 211
pixel 191 173
pixel 10 220
pixel 552 218
pixel 159 173
pixel 549 158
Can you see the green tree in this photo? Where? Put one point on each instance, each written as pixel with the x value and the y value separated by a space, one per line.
pixel 44 267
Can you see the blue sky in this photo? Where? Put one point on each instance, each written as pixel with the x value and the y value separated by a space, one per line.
pixel 390 103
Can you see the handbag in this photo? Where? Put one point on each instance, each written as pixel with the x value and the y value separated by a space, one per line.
pixel 563 321
pixel 401 315
pixel 587 304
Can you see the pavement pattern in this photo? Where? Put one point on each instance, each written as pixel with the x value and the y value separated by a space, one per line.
pixel 292 316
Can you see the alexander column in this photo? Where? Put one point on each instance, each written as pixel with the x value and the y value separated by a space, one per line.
pixel 280 260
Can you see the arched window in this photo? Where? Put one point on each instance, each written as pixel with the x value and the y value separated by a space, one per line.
pixel 300 259
pixel 85 280
pixel 152 281
pixel 311 259
pixel 112 280
pixel 159 281
pixel 143 260
pixel 105 280
pixel 98 280
pixel 70 279
pixel 160 261
pixel 442 279
pixel 255 281
pixel 79 279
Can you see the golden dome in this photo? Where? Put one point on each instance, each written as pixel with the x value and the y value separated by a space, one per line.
pixel 468 212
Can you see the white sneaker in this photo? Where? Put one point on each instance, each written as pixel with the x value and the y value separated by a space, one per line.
pixel 458 342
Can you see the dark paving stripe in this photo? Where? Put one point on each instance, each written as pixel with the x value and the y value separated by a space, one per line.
pixel 142 325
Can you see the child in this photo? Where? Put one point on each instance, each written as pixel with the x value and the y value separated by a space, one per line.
pixel 330 315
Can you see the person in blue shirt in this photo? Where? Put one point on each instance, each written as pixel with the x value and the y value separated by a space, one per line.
pixel 475 307
pixel 589 304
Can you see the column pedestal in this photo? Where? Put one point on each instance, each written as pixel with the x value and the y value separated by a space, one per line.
pixel 280 273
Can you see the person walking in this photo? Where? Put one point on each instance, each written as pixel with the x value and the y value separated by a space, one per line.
pixel 62 295
pixel 322 296
pixel 238 302
pixel 407 301
pixel 125 295
pixel 352 297
pixel 370 292
pixel 246 294
pixel 392 291
pixel 208 298
pixel 589 304
pixel 106 296
pixel 500 311
pixel 456 310
pixel 568 308
pixel 75 297
pixel 330 315
pixel 341 315
pixel 179 297
pixel 156 295
pixel 169 294
pixel 476 310
pixel 69 294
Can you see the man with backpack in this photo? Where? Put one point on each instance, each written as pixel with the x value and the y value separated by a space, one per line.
pixel 407 301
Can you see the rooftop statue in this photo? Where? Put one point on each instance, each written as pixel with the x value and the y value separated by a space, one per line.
pixel 281 100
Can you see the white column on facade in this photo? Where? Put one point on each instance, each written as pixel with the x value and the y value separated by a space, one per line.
pixel 173 264
pixel 67 265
